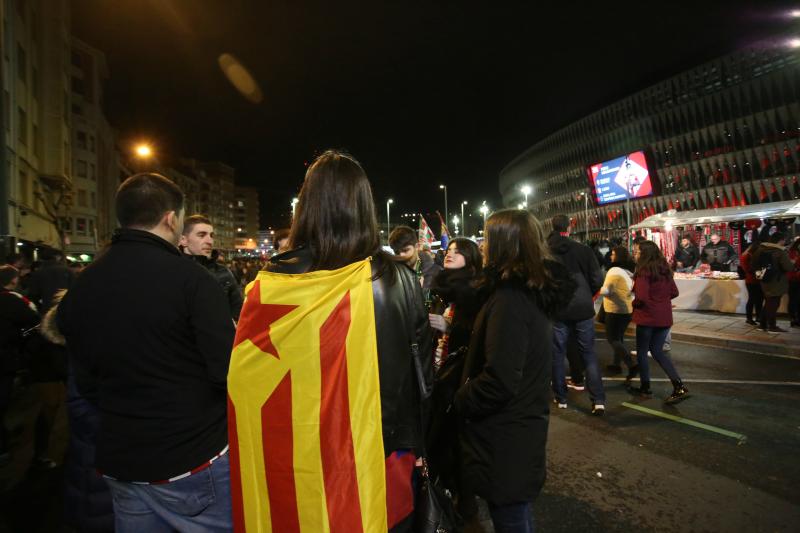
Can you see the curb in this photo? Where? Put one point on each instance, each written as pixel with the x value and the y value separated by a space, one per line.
pixel 742 345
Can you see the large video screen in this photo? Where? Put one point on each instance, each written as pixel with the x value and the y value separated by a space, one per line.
pixel 621 178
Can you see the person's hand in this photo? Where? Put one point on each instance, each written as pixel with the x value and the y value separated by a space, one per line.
pixel 439 323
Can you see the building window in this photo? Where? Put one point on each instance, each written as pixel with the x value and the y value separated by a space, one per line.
pixel 22 64
pixel 93 196
pixel 23 187
pixel 81 198
pixel 92 174
pixel 240 203
pixel 66 224
pixel 80 168
pixel 22 126
pixel 76 58
pixel 80 139
pixel 91 143
pixel 80 226
pixel 77 85
pixel 91 227
pixel 77 110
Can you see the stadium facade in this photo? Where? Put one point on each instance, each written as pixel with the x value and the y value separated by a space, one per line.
pixel 725 133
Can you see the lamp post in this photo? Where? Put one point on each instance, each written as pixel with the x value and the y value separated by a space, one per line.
pixel 455 223
pixel 444 187
pixel 463 220
pixel 143 153
pixel 294 205
pixel 484 211
pixel 525 190
pixel 388 203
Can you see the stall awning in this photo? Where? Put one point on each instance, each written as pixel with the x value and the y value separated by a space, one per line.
pixel 675 218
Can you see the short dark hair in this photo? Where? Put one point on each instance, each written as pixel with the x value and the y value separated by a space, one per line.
pixel 560 223
pixel 7 274
pixel 191 221
pixel 401 237
pixel 144 198
pixel 777 237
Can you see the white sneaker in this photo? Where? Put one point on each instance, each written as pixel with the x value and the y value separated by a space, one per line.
pixel 667 346
pixel 560 405
pixel 599 409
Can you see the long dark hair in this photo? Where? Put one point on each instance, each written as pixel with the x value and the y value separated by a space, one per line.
pixel 335 213
pixel 651 261
pixel 473 262
pixel 515 247
pixel 622 257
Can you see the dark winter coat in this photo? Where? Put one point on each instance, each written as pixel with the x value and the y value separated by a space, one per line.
pixel 16 315
pixel 688 256
pixel 719 256
pixel 580 261
pixel 504 402
pixel 778 285
pixel 400 400
pixel 652 303
pixel 456 287
pixel 226 280
pixel 46 281
pixel 151 336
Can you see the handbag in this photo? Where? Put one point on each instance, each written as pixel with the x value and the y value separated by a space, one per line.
pixel 433 508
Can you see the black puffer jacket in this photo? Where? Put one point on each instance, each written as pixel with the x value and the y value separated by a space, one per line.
pixel 504 403
pixel 581 262
pixel 226 280
pixel 400 406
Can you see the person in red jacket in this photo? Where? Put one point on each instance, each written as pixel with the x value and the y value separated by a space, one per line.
pixel 653 291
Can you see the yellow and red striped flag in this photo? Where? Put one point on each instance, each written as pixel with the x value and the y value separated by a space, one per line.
pixel 304 409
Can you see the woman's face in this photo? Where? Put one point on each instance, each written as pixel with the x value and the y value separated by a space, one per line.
pixel 454 260
pixel 636 252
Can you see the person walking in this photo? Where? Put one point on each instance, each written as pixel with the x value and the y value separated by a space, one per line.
pixel 576 318
pixel 150 335
pixel 654 289
pixel 755 296
pixel 504 399
pixel 618 306
pixel 775 265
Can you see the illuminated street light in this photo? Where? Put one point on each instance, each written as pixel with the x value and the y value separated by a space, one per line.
pixel 294 205
pixel 144 151
pixel 484 211
pixel 463 220
pixel 444 187
pixel 455 223
pixel 795 13
pixel 794 43
pixel 388 219
pixel 526 190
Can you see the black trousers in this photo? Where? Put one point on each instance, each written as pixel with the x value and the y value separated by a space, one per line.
pixel 770 313
pixel 616 324
pixel 755 300
pixel 794 301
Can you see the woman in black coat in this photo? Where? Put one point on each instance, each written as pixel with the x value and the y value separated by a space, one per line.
pixel 504 401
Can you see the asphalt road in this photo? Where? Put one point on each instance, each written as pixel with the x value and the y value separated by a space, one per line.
pixel 635 471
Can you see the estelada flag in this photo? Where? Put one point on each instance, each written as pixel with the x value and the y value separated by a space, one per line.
pixel 445 238
pixel 426 237
pixel 304 406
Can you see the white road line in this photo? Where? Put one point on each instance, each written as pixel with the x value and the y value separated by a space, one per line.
pixel 722 381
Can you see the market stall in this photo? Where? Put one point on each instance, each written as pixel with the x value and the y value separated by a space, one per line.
pixel 704 289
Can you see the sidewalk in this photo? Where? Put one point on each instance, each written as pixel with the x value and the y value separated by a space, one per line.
pixel 726 330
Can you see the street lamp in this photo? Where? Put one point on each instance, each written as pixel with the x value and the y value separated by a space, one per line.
pixel 294 205
pixel 455 223
pixel 484 211
pixel 526 190
pixel 463 220
pixel 388 203
pixel 444 187
pixel 143 151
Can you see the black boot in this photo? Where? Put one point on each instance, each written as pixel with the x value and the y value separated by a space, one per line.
pixel 679 392
pixel 633 371
pixel 642 390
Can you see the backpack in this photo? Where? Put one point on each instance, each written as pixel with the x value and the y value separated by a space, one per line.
pixel 766 270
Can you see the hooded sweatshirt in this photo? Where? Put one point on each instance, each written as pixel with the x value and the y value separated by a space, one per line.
pixel 581 263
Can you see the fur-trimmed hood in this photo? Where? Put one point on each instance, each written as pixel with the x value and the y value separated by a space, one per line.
pixel 49 328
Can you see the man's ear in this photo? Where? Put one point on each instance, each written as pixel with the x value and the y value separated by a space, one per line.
pixel 183 241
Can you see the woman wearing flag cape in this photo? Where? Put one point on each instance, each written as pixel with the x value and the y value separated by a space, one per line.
pixel 324 408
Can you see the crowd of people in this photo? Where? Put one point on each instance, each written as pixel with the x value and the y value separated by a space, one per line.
pixel 139 344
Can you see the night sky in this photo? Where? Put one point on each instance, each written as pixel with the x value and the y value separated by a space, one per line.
pixel 422 93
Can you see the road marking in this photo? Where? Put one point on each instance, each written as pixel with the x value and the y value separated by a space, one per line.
pixel 738 436
pixel 724 381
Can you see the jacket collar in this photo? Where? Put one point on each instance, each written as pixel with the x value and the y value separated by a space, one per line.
pixel 142 237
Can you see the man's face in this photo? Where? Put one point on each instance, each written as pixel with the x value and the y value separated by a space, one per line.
pixel 199 240
pixel 685 243
pixel 408 254
pixel 715 239
pixel 636 252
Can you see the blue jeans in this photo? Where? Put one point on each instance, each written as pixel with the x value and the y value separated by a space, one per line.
pixel 649 338
pixel 584 335
pixel 198 503
pixel 513 518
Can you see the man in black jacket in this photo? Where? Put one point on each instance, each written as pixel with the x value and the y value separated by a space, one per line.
pixel 687 255
pixel 719 254
pixel 197 242
pixel 150 337
pixel 576 319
